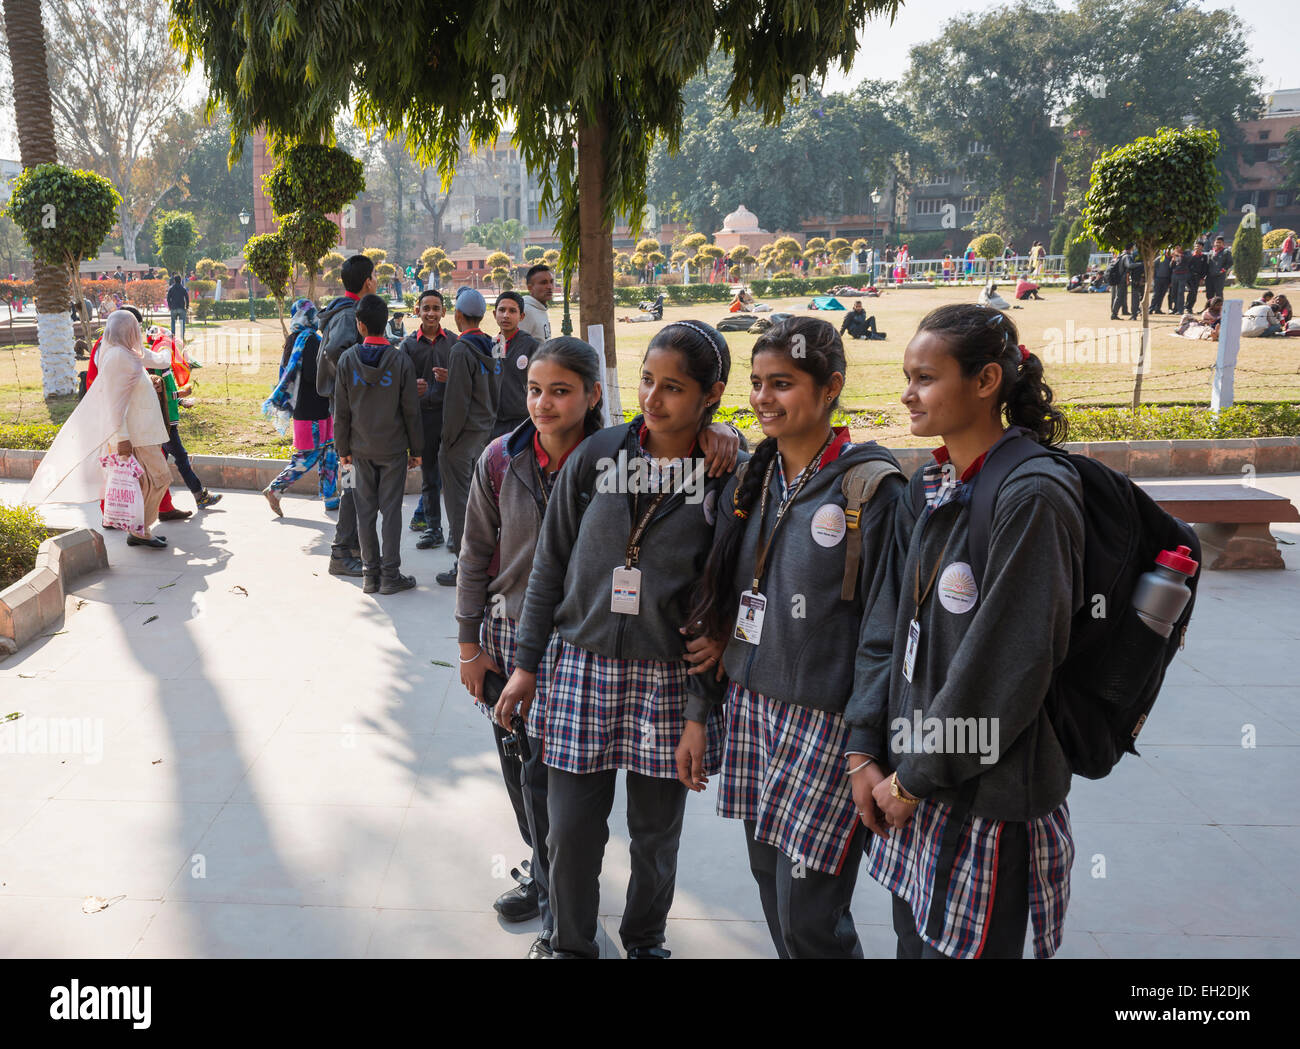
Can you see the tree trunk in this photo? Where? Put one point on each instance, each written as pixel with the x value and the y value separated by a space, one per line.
pixel 1144 350
pixel 130 231
pixel 36 146
pixel 596 248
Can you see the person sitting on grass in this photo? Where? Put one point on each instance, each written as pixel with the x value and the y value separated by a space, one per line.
pixel 990 297
pixel 377 430
pixel 858 324
pixel 1027 289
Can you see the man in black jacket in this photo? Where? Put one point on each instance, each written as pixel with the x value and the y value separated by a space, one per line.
pixel 1220 262
pixel 1137 279
pixel 1198 267
pixel 178 302
pixel 1178 281
pixel 1161 275
pixel 429 349
pixel 858 324
pixel 339 333
pixel 1117 278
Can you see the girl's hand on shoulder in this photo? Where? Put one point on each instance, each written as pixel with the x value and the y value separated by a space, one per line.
pixel 690 756
pixel 705 654
pixel 720 445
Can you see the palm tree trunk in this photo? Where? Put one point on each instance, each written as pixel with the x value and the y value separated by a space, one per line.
pixel 36 146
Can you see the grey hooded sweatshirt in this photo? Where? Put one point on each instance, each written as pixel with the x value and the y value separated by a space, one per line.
pixel 987 650
pixel 377 411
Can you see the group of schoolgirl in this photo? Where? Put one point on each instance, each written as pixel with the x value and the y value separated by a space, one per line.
pixel 764 620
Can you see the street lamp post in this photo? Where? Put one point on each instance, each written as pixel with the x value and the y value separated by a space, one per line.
pixel 243 221
pixel 875 253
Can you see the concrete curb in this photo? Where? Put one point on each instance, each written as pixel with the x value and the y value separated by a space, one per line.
pixel 1135 458
pixel 35 602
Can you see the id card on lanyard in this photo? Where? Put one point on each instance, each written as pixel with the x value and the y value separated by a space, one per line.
pixel 753 605
pixel 918 602
pixel 625 590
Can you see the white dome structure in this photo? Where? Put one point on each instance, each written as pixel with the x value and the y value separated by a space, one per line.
pixel 741 227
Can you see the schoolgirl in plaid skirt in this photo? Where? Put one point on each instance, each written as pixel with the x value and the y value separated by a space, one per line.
pixel 512 483
pixel 956 761
pixel 625 536
pixel 787 583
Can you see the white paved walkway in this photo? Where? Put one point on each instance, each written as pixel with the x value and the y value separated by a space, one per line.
pixel 287 770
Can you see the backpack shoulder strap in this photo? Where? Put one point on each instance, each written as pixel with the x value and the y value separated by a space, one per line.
pixel 984 494
pixel 859 484
pixel 498 462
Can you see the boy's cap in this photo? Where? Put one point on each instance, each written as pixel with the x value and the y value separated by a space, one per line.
pixel 471 303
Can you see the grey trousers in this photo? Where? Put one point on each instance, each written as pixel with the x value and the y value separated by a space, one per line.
pixel 526 786
pixel 456 465
pixel 807 911
pixel 579 807
pixel 380 484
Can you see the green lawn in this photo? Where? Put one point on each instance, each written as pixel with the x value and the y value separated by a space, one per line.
pixel 241 362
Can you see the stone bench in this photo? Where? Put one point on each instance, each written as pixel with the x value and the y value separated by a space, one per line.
pixel 1232 521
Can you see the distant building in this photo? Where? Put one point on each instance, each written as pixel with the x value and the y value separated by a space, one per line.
pixel 741 227
pixel 9 170
pixel 1261 180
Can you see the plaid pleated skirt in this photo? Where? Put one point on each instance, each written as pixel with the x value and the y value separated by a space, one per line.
pixel 783 767
pixel 906 864
pixel 497 635
pixel 604 713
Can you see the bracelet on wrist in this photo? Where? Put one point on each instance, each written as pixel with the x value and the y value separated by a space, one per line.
pixel 898 791
pixel 472 658
pixel 866 764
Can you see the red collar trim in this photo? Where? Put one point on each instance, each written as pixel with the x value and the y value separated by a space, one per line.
pixel 420 335
pixel 838 443
pixel 353 296
pixel 375 340
pixel 544 460
pixel 941 456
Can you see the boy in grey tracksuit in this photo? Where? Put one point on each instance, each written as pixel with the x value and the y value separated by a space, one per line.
pixel 469 413
pixel 377 428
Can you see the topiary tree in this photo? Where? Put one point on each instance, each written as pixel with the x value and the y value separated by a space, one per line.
pixel 267 256
pixel 1247 250
pixel 987 246
pixel 1078 247
pixel 533 253
pixel 860 245
pixel 499 274
pixel 175 233
pixel 694 241
pixel 499 260
pixel 815 244
pixel 784 251
pixel 551 258
pixel 385 271
pixel 647 246
pixel 203 268
pixel 64 214
pixel 310 182
pixel 375 255
pixel 445 267
pixel 839 248
pixel 1162 189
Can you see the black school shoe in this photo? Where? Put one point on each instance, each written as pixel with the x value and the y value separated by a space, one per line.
pixel 349 566
pixel 447 578
pixel 649 952
pixel 397 584
pixel 541 947
pixel 518 904
pixel 431 539
pixel 370 584
pixel 158 542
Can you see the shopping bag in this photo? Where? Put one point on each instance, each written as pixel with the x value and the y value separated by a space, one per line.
pixel 123 498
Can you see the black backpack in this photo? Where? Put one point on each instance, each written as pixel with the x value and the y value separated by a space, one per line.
pixel 1113 272
pixel 1102 693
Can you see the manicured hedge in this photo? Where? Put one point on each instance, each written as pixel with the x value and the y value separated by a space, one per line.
pixel 1182 422
pixel 22 530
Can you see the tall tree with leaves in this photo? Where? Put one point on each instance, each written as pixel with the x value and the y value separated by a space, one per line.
pixel 585 114
pixel 176 235
pixel 1153 192
pixel 116 88
pixel 25 35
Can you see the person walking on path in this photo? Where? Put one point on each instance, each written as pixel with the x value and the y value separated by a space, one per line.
pixel 338 334
pixel 1219 268
pixel 295 399
pixel 178 304
pixel 169 400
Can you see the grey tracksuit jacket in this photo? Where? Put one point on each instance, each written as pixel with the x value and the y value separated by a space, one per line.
pixel 986 652
pixel 584 538
pixel 376 411
pixel 338 326
pixel 805 655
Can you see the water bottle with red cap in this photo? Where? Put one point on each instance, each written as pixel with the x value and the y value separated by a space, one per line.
pixel 1161 594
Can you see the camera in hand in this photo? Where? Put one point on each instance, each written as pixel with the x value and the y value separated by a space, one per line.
pixel 515 744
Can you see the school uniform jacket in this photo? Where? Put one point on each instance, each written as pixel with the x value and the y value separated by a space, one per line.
pixel 810 635
pixel 986 650
pixel 584 538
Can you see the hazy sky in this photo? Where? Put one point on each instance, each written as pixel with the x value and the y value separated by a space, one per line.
pixel 1273 28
